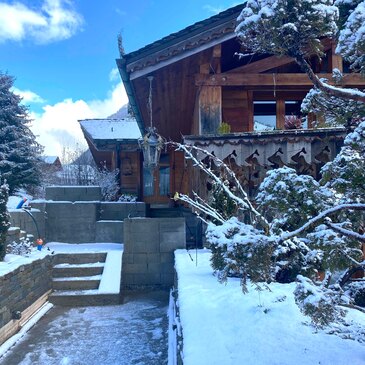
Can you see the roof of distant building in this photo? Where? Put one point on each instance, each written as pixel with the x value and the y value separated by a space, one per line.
pixel 49 159
pixel 111 129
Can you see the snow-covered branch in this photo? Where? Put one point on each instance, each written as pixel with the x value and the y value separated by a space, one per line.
pixel 331 90
pixel 345 232
pixel 199 204
pixel 320 217
pixel 242 201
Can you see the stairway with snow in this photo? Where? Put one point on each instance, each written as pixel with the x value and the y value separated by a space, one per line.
pixel 86 279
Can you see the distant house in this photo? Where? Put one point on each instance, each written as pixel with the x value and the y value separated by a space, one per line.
pixel 52 163
pixel 114 144
pixel 199 83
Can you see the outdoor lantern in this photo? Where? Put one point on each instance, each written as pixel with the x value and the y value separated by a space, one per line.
pixel 151 144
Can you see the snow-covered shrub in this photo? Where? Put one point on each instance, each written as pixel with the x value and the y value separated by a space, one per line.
pixel 317 302
pixel 221 201
pixel 356 290
pixel 346 173
pixel 240 250
pixel 22 248
pixel 4 219
pixel 290 200
pixel 338 251
pixel 127 198
pixel 108 182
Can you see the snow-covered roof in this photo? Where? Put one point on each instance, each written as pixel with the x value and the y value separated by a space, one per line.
pixel 111 129
pixel 49 159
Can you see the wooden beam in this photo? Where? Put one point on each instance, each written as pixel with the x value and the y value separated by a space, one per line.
pixel 263 65
pixel 281 79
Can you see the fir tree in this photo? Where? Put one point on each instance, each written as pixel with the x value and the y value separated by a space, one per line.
pixel 4 219
pixel 19 151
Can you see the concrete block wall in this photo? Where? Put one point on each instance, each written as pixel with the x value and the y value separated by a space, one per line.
pixel 20 288
pixel 71 222
pixel 149 245
pixel 21 219
pixel 73 193
pixel 109 231
pixel 121 210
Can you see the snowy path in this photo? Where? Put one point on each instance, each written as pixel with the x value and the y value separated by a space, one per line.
pixel 132 333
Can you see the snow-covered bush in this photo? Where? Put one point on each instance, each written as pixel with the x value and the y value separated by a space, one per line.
pixel 242 251
pixel 22 248
pixel 290 200
pixel 346 173
pixel 108 182
pixel 4 219
pixel 317 302
pixel 127 198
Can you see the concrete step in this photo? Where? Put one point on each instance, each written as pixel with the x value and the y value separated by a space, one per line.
pixel 83 298
pixel 76 283
pixel 74 270
pixel 80 258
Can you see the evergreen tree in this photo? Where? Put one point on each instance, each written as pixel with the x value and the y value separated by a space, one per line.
pixel 19 151
pixel 4 219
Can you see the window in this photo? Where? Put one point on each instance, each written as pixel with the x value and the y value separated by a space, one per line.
pixel 264 115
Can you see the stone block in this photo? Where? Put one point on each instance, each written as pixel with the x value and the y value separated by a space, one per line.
pixel 73 193
pixel 135 268
pixel 109 231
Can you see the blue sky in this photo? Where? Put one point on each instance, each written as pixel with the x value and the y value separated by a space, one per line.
pixel 62 53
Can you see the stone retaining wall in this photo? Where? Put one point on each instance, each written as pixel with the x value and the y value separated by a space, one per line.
pixel 20 288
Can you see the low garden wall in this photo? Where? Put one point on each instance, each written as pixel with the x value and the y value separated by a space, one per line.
pixel 22 290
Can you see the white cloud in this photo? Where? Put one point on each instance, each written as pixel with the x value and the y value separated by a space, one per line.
pixel 54 21
pixel 114 74
pixel 58 125
pixel 217 9
pixel 28 96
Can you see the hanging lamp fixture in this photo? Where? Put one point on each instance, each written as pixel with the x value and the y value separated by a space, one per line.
pixel 152 143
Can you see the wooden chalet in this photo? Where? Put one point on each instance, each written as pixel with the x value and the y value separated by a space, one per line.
pixel 200 82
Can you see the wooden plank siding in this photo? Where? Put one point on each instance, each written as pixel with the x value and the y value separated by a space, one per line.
pixel 237 109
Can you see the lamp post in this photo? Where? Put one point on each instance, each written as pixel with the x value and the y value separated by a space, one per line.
pixel 152 143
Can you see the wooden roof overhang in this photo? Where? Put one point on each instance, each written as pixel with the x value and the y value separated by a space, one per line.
pixel 185 63
pixel 173 61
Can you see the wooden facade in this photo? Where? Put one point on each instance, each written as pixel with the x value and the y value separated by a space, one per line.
pixel 200 82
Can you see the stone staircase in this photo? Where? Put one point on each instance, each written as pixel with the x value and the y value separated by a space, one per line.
pixel 77 279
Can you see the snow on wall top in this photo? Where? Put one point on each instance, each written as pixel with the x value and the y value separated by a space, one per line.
pixel 98 129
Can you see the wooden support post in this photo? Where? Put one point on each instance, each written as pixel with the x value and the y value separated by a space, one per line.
pixel 335 60
pixel 210 109
pixel 280 114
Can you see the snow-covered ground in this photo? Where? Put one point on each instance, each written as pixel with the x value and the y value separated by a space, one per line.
pixel 221 325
